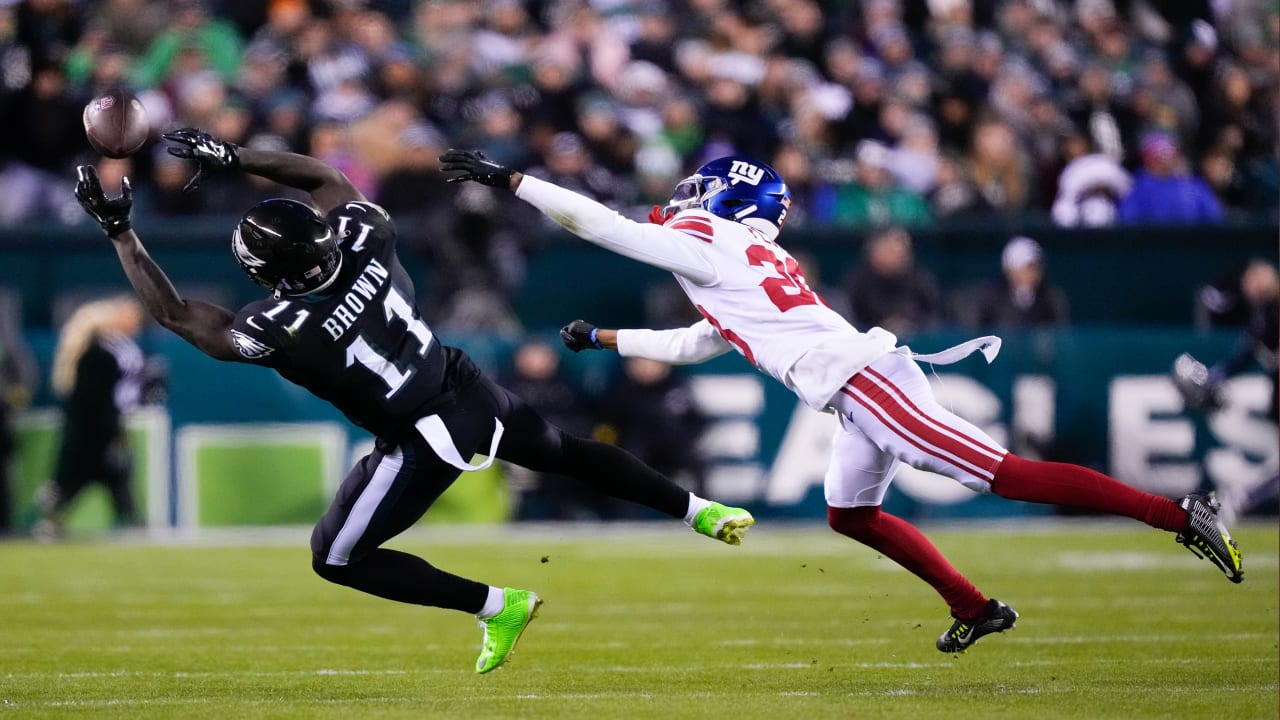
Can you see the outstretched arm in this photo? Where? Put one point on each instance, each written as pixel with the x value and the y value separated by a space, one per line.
pixel 328 186
pixel 202 324
pixel 681 346
pixel 650 244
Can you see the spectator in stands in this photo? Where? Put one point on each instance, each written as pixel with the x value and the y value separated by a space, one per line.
pixel 99 373
pixel 1022 298
pixel 40 134
pixel 954 195
pixel 1090 186
pixel 812 198
pixel 1164 192
pixel 1228 183
pixel 131 25
pixel 651 412
pixel 17 380
pixel 1202 388
pixel 888 290
pixel 1108 123
pixel 696 75
pixel 874 198
pixel 194 39
pixel 914 161
pixel 1000 168
pixel 537 376
pixel 48 29
pixel 570 164
pixel 1239 116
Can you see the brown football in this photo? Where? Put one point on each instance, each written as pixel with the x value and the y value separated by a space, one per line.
pixel 116 123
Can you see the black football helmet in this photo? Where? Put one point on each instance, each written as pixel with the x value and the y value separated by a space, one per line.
pixel 285 246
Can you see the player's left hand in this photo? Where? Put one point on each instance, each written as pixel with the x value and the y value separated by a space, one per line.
pixel 111 213
pixel 580 335
pixel 475 166
pixel 209 152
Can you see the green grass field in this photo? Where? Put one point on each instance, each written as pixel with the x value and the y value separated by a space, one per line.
pixel 650 622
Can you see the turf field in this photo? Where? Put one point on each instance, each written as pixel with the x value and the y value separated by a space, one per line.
pixel 649 622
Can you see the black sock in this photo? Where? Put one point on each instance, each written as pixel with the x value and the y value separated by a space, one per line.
pixel 618 473
pixel 406 578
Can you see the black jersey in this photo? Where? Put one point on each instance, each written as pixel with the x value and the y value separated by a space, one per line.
pixel 359 343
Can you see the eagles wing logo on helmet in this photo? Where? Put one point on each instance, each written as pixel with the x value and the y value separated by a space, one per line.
pixel 242 251
pixel 250 348
pixel 745 172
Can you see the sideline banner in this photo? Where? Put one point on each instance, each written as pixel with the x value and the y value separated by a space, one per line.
pixel 1096 397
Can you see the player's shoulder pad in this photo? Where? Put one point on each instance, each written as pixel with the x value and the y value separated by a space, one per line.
pixel 348 218
pixel 361 208
pixel 253 333
pixel 695 223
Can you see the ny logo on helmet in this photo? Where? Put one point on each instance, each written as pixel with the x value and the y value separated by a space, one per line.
pixel 745 172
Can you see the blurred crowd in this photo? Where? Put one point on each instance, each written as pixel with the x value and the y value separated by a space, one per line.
pixel 879 113
pixel 875 111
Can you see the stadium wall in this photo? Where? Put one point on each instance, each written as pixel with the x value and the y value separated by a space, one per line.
pixel 236 445
pixel 1131 276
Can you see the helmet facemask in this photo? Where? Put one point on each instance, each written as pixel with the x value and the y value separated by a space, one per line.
pixel 694 191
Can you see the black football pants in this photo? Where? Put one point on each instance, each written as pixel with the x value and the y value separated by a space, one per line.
pixel 391 488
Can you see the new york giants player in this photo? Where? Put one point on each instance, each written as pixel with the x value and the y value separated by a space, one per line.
pixel 341 321
pixel 718 236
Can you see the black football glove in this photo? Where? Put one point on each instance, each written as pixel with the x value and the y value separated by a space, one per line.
pixel 209 152
pixel 111 213
pixel 580 335
pixel 475 166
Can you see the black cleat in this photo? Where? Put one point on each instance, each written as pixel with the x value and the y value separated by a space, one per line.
pixel 1205 536
pixel 997 617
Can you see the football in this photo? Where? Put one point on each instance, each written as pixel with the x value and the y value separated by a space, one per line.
pixel 116 123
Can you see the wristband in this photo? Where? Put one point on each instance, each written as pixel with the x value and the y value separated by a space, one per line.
pixel 594 341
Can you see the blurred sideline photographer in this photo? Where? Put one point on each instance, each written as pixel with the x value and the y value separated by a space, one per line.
pixel 17 378
pixel 99 374
pixel 1201 386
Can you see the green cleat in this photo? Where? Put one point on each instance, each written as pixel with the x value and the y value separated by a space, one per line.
pixel 727 524
pixel 503 630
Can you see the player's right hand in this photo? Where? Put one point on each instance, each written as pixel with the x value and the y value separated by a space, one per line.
pixel 210 152
pixel 475 166
pixel 580 335
pixel 111 213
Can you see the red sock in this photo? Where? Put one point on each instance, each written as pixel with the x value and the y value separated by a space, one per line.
pixel 902 543
pixel 1062 484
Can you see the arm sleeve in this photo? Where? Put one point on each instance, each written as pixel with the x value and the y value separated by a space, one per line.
pixel 650 244
pixel 694 344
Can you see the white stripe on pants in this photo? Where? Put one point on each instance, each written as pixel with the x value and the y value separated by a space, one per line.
pixel 365 505
pixel 888 414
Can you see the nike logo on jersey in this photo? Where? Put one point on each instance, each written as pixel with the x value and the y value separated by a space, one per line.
pixel 253 324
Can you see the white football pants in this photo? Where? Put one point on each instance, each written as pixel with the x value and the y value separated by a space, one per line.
pixel 888 415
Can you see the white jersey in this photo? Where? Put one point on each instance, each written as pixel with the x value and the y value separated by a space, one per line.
pixel 748 288
pixel 762 306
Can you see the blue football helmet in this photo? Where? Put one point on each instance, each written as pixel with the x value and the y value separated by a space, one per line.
pixel 735 188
